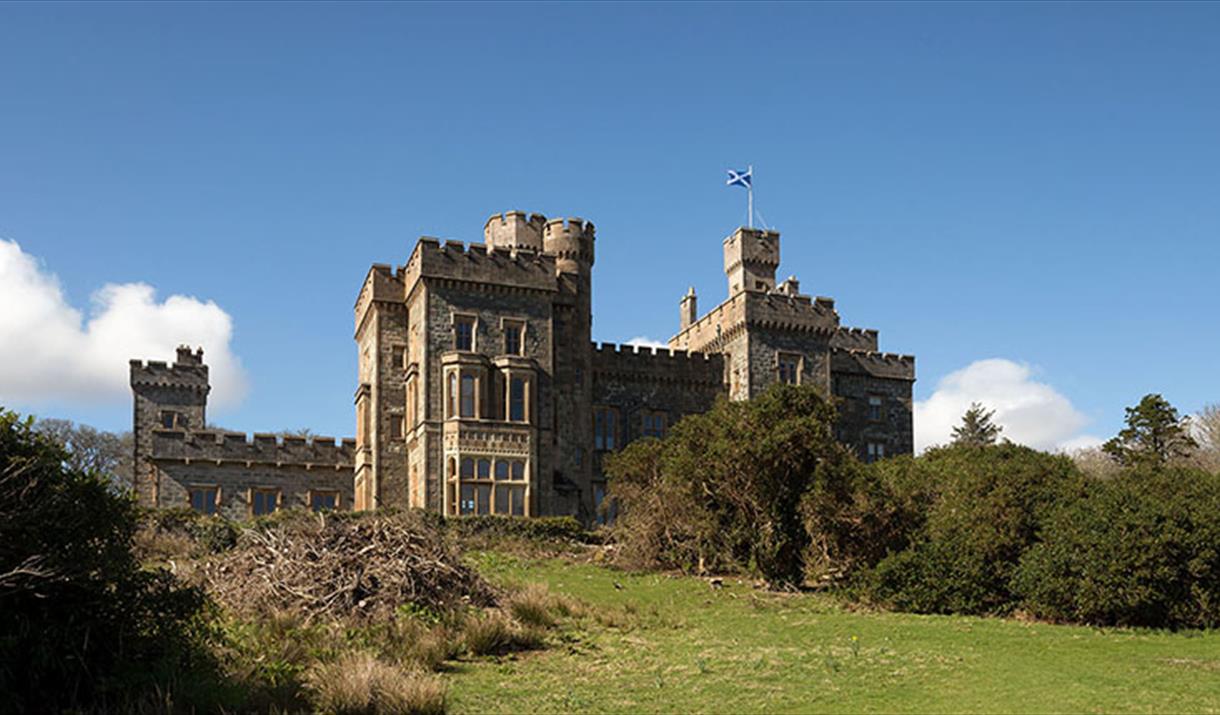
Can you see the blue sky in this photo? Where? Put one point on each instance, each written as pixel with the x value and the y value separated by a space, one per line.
pixel 1035 185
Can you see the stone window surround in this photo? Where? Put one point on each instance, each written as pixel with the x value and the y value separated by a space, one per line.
pixel 663 420
pixel 610 439
pixel 216 497
pixel 879 405
pixel 457 317
pixel 279 498
pixel 510 321
pixel 462 364
pixel 797 358
pixel 324 492
pixel 455 480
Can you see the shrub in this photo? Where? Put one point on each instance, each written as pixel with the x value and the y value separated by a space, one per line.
pixel 546 528
pixel 1139 550
pixel 532 606
pixel 494 633
pixel 82 625
pixel 732 488
pixel 985 506
pixel 360 684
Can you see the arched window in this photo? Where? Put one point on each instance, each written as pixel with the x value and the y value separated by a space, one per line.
pixel 518 471
pixel 501 469
pixel 452 472
pixel 484 469
pixel 467 468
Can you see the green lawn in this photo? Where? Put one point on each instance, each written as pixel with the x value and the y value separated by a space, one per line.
pixel 672 644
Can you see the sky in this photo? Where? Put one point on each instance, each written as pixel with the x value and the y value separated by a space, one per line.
pixel 1024 196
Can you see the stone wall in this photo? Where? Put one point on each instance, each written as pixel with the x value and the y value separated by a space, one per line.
pixel 234 464
pixel 857 376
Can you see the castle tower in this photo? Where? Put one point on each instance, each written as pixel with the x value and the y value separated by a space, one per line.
pixel 513 229
pixel 751 256
pixel 570 241
pixel 166 397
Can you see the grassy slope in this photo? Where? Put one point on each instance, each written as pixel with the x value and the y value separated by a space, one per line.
pixel 682 647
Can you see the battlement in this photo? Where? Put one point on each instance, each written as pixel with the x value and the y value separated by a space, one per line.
pixel 855 339
pixel 157 373
pixel 570 240
pixel 571 227
pixel 267 449
pixel 643 363
pixel 516 266
pixel 872 363
pixel 514 229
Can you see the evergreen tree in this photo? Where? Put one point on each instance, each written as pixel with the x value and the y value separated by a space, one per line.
pixel 1154 435
pixel 977 428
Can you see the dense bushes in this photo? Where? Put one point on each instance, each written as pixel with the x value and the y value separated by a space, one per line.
pixel 737 488
pixel 1139 550
pixel 984 508
pixel 82 625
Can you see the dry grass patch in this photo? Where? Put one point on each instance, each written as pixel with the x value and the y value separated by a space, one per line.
pixel 360 684
pixel 494 633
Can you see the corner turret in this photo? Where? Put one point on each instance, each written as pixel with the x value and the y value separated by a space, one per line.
pixel 513 230
pixel 571 242
pixel 751 256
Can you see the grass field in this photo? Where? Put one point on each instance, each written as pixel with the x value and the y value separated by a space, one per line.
pixel 673 644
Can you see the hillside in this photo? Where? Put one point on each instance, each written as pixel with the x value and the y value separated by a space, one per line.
pixel 675 644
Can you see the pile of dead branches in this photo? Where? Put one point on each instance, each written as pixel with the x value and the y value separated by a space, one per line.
pixel 341 568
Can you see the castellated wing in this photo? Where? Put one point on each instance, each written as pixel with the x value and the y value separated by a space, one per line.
pixel 479 390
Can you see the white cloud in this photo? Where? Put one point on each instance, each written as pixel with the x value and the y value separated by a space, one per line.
pixel 646 342
pixel 50 352
pixel 1031 412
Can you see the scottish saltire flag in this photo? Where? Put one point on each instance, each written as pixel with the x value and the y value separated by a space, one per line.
pixel 739 178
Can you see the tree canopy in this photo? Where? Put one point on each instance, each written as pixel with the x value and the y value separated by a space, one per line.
pixel 977 428
pixel 1154 436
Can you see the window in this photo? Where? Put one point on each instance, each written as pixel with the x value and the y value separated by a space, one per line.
pixel 398 357
pixel 516 498
pixel 655 424
pixel 412 399
pixel 501 500
pixel 396 430
pixel 516 399
pixel 204 499
pixel 467 468
pixel 484 469
pixel 876 452
pixel 599 496
pixel 482 494
pixel 501 470
pixel 168 419
pixel 789 368
pixel 874 408
pixel 605 428
pixel 322 500
pixel 453 383
pixel 467 504
pixel 518 471
pixel 514 331
pixel 264 501
pixel 467 395
pixel 463 332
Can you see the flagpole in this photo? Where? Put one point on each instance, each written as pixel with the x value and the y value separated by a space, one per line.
pixel 750 196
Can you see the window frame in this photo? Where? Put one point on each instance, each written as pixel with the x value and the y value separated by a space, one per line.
pixel 314 493
pixel 647 430
pixel 277 502
pixel 518 324
pixel 879 415
pixel 190 497
pixel 796 360
pixel 606 428
pixel 465 319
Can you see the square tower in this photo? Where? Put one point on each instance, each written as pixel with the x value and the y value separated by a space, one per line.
pixel 751 256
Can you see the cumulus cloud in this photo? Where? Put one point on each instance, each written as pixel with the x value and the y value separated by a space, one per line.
pixel 646 342
pixel 52 352
pixel 1031 412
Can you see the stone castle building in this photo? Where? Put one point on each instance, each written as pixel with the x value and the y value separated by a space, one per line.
pixel 480 390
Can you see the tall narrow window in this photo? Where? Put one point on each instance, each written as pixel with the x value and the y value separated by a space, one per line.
pixel 453 391
pixel 397 357
pixel 467 506
pixel 518 471
pixel 874 408
pixel 513 333
pixel 501 470
pixel 412 398
pixel 876 452
pixel 517 499
pixel 516 399
pixel 468 396
pixel 396 428
pixel 605 428
pixel 789 369
pixel 484 469
pixel 463 333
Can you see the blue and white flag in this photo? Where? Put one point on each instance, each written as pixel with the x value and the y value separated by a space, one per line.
pixel 740 178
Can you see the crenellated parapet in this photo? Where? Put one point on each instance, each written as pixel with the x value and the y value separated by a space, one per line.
pixel 855 339
pixel 514 229
pixel 644 363
pixel 211 446
pixel 190 376
pixel 479 263
pixel 776 311
pixel 875 364
pixel 570 241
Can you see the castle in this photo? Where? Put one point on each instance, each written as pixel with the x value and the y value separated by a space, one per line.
pixel 480 391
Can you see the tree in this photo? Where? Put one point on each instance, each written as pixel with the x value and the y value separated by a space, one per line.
pixel 1207 431
pixel 977 429
pixel 89 449
pixel 1154 436
pixel 83 625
